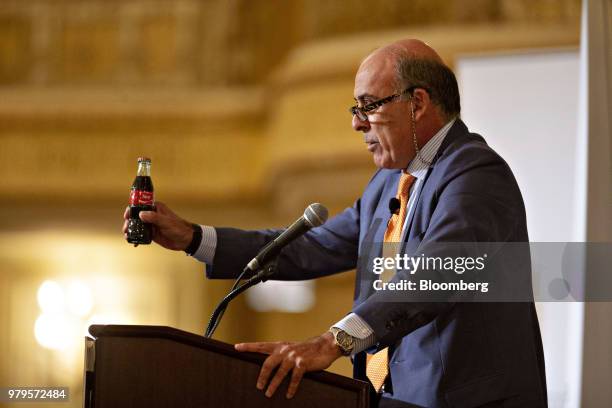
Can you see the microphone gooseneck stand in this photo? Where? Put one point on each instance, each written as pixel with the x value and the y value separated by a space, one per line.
pixel 263 275
pixel 264 264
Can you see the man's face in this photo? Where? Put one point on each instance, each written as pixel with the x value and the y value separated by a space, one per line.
pixel 388 130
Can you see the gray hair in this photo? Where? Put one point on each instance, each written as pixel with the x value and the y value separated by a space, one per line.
pixel 436 78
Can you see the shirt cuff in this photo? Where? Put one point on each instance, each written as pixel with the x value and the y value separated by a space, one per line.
pixel 206 251
pixel 356 327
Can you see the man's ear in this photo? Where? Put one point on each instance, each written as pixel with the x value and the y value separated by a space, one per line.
pixel 421 102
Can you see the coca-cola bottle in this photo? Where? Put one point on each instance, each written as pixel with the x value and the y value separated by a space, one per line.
pixel 141 199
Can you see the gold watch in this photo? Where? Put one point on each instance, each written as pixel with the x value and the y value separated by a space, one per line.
pixel 344 341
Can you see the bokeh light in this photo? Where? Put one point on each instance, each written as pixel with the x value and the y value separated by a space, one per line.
pixel 63 310
pixel 80 298
pixel 51 297
pixel 53 331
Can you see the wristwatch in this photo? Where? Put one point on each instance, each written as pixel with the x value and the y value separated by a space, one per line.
pixel 344 341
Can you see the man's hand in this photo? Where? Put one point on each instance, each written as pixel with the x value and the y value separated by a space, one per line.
pixel 169 230
pixel 311 355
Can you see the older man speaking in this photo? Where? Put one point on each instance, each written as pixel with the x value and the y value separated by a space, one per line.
pixel 443 184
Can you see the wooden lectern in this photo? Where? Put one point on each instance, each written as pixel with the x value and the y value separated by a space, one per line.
pixel 156 366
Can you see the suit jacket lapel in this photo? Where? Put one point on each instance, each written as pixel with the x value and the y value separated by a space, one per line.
pixel 373 240
pixel 456 131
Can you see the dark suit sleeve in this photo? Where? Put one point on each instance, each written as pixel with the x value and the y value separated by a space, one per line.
pixel 479 204
pixel 324 250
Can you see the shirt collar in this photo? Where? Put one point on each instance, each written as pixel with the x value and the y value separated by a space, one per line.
pixel 416 167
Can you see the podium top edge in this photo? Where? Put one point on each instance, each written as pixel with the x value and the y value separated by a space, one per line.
pixel 181 336
pixel 117 330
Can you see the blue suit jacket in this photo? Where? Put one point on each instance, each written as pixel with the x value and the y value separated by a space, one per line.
pixel 444 354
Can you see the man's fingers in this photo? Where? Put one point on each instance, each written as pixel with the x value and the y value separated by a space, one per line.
pixel 126 217
pixel 279 354
pixel 266 369
pixel 161 207
pixel 296 377
pixel 280 375
pixel 258 347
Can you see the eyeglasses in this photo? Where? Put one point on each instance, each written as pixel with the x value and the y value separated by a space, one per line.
pixel 362 112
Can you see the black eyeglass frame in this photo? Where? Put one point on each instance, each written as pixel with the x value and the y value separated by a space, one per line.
pixel 362 112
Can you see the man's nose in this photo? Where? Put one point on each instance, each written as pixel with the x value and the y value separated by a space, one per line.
pixel 360 125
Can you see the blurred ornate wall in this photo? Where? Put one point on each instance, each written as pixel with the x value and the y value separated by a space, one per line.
pixel 242 107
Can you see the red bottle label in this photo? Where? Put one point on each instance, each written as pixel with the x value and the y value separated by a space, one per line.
pixel 139 197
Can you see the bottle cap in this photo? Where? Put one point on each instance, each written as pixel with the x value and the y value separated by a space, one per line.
pixel 144 159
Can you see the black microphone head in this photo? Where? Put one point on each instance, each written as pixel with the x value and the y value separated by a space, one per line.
pixel 315 214
pixel 394 205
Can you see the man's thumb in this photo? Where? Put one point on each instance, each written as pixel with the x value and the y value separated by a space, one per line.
pixel 148 216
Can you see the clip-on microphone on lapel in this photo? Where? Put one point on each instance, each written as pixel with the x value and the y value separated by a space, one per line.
pixel 394 206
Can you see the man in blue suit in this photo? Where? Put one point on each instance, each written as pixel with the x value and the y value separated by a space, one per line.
pixel 449 186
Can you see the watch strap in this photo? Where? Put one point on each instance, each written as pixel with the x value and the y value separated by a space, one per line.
pixel 195 241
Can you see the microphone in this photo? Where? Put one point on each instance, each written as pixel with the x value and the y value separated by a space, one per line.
pixel 314 215
pixel 394 206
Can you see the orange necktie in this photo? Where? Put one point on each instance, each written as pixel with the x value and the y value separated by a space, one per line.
pixel 377 367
